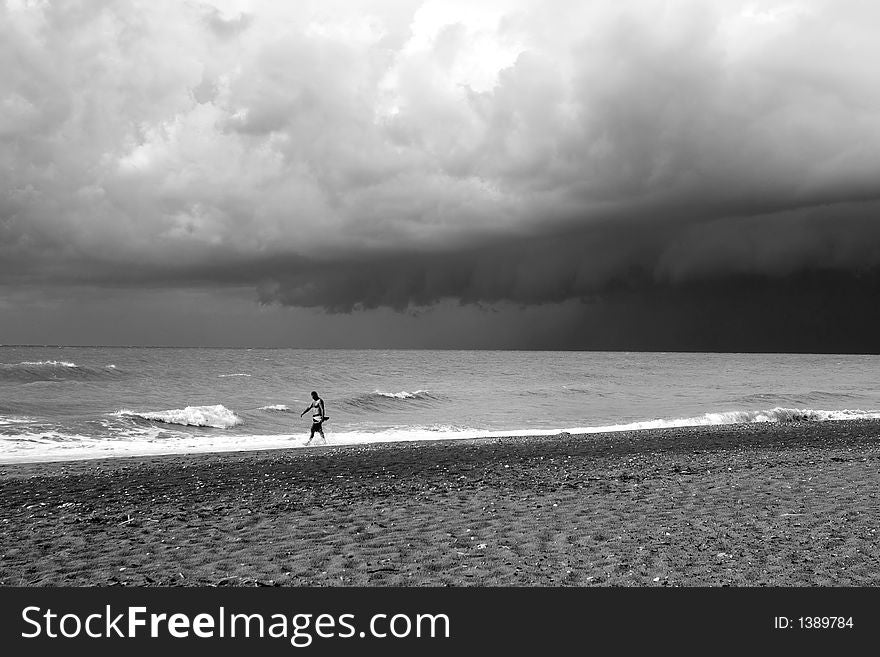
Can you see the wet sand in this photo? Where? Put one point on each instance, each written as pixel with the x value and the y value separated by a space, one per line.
pixel 745 505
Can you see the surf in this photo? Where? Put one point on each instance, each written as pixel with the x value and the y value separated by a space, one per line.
pixel 52 445
pixel 777 414
pixel 217 416
pixel 382 400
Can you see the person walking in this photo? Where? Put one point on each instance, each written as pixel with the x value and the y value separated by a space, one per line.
pixel 318 415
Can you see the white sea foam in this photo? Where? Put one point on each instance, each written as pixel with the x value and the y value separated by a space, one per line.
pixel 402 394
pixel 777 414
pixel 50 363
pixel 226 376
pixel 6 420
pixel 217 416
pixel 51 439
pixel 274 407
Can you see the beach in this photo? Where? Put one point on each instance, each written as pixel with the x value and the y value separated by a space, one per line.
pixel 761 504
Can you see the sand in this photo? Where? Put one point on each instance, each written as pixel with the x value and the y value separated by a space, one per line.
pixel 746 505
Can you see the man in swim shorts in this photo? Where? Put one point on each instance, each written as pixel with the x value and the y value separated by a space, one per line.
pixel 318 417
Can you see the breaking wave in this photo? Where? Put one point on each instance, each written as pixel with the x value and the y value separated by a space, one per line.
pixel 418 394
pixel 381 400
pixel 218 417
pixel 281 408
pixel 777 414
pixel 6 420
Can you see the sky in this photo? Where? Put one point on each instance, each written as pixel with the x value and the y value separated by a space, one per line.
pixel 627 175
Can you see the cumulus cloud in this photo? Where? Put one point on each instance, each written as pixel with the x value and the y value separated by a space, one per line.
pixel 394 154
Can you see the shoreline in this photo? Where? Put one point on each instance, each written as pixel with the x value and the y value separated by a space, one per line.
pixel 744 505
pixel 100 449
pixel 676 438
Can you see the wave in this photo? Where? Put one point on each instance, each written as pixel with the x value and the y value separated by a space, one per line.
pixel 418 394
pixel 379 399
pixel 281 408
pixel 778 414
pixel 807 397
pixel 6 420
pixel 226 376
pixel 29 371
pixel 218 417
pixel 54 438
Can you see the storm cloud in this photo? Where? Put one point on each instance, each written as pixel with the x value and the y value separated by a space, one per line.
pixel 710 169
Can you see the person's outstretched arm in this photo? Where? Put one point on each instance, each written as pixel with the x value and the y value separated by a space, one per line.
pixel 307 409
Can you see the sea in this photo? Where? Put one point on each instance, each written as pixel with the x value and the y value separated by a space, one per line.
pixel 71 403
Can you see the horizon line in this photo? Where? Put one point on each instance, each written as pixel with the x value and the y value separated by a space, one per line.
pixel 536 349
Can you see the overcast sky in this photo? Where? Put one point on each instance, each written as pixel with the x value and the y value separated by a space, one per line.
pixel 637 174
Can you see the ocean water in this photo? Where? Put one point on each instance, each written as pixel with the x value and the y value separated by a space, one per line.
pixel 65 403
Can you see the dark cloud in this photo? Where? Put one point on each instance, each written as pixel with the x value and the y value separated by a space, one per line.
pixel 644 174
pixel 581 264
pixel 814 311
